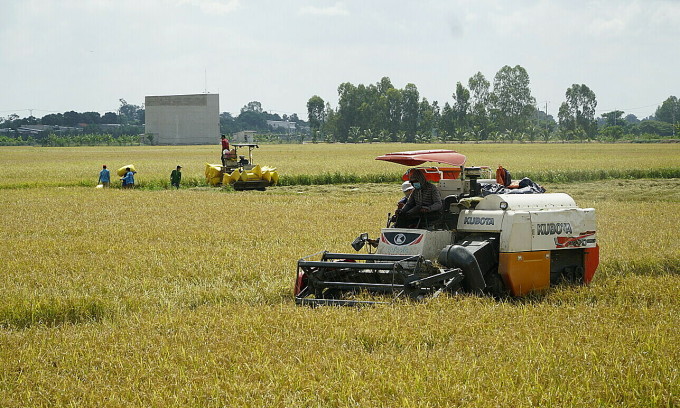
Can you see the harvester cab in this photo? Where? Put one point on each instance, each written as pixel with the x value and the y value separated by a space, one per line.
pixel 513 243
pixel 240 172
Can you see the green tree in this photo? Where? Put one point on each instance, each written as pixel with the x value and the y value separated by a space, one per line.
pixel 613 118
pixel 461 106
pixel 479 89
pixel 72 118
pixel 228 124
pixel 109 118
pixel 315 113
pixel 128 114
pixel 614 132
pixel 545 122
pixel 511 100
pixel 410 104
pixel 631 119
pixel 384 84
pixel 656 127
pixel 566 119
pixel 53 119
pixel 428 116
pixel 381 109
pixel 348 109
pixel 473 134
pixel 330 127
pixel 447 122
pixel 354 134
pixel 479 102
pixel 91 117
pixel 669 111
pixel 252 106
pixel 577 114
pixel 252 120
pixel 394 111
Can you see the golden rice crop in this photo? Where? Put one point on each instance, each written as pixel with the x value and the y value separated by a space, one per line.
pixel 183 298
pixel 67 166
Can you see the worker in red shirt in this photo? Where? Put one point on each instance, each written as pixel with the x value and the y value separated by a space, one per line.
pixel 225 149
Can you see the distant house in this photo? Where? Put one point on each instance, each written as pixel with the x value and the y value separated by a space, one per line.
pixel 34 129
pixel 28 130
pixel 109 126
pixel 281 124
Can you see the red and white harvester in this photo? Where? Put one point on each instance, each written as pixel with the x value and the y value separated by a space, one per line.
pixel 497 244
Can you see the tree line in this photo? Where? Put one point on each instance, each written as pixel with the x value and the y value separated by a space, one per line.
pixel 76 128
pixel 128 114
pixel 127 124
pixel 502 110
pixel 253 117
pixel 482 110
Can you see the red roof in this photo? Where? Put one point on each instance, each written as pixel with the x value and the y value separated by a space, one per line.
pixel 417 157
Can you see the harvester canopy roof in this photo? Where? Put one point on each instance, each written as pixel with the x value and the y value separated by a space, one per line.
pixel 418 157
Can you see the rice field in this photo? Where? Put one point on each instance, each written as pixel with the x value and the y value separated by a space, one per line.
pixel 332 163
pixel 183 297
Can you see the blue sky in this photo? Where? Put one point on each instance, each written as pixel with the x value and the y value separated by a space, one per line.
pixel 87 54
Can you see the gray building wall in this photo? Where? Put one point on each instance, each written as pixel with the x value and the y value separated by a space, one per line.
pixel 183 119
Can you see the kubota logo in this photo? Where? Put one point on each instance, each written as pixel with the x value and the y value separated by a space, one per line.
pixel 401 238
pixel 478 221
pixel 553 228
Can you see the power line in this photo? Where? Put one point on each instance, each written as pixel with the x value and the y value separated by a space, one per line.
pixel 15 110
pixel 629 109
pixel 28 109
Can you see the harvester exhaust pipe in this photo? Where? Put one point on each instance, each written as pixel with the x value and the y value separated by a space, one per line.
pixel 457 256
pixel 473 173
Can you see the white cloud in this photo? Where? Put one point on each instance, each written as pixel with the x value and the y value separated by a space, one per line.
pixel 89 46
pixel 214 6
pixel 338 9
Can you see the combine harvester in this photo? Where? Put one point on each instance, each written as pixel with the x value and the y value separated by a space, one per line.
pixel 495 244
pixel 240 172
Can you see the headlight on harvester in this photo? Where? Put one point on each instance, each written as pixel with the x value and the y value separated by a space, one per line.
pixel 504 205
pixel 360 241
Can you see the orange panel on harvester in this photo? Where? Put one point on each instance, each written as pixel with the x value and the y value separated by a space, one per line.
pixel 524 272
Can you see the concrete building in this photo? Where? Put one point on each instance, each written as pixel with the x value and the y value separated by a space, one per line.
pixel 183 119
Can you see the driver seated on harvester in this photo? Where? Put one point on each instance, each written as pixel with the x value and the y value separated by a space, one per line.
pixel 424 205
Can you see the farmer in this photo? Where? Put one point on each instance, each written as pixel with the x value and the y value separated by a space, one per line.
pixel 407 189
pixel 105 177
pixel 129 178
pixel 176 177
pixel 423 206
pixel 225 149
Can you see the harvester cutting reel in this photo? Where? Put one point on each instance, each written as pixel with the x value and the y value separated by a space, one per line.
pixel 336 276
